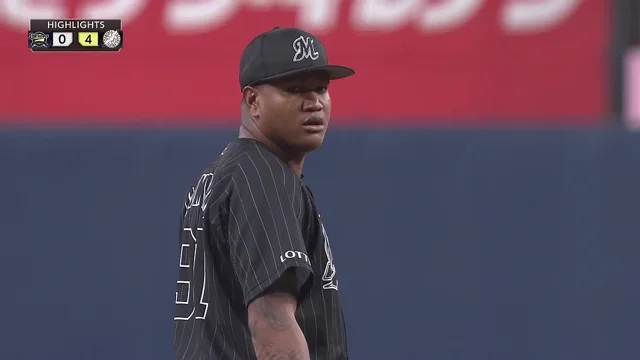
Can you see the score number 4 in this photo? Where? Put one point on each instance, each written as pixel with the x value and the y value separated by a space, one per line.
pixel 88 39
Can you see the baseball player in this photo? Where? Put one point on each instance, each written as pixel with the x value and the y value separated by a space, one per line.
pixel 257 279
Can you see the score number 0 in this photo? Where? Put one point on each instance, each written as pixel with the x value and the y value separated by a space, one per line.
pixel 62 39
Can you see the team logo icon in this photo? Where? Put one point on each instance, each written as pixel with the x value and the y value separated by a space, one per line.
pixel 111 39
pixel 38 40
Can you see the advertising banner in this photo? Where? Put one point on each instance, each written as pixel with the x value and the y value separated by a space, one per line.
pixel 454 62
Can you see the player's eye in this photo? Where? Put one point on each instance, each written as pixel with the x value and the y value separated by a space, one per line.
pixel 295 89
pixel 303 89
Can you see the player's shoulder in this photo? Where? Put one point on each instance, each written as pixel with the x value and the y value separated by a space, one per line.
pixel 219 173
pixel 254 162
pixel 256 152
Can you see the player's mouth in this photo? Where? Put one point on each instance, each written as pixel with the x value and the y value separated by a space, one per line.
pixel 314 124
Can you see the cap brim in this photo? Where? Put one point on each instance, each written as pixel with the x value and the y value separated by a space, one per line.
pixel 335 72
pixel 338 72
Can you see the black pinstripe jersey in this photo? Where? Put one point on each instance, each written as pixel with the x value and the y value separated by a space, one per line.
pixel 248 219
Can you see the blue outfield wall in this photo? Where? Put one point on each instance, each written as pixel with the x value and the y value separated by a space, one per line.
pixel 450 245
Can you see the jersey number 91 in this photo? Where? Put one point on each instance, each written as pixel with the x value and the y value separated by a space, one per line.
pixel 192 278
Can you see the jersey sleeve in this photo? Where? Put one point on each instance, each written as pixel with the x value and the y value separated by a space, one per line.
pixel 264 233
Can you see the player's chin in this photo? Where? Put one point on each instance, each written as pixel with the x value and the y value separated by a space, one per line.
pixel 310 141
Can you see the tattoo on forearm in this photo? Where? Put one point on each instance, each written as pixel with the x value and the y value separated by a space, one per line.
pixel 275 315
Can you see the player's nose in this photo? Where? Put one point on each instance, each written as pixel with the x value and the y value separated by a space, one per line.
pixel 312 102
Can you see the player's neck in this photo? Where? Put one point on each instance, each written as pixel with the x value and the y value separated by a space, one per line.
pixel 295 162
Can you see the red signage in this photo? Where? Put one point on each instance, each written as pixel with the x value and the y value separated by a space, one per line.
pixel 434 62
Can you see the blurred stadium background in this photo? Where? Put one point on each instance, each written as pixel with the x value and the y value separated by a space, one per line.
pixel 480 182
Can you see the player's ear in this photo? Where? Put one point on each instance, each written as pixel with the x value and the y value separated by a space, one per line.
pixel 250 97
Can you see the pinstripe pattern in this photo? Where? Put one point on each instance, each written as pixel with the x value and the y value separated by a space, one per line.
pixel 247 220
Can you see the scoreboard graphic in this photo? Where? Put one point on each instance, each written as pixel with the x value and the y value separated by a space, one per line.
pixel 75 35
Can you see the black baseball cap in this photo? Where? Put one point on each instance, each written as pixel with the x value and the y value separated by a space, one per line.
pixel 282 52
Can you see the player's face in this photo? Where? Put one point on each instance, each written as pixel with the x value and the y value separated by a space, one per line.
pixel 294 112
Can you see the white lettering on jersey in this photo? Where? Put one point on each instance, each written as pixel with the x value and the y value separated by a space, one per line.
pixel 183 296
pixel 330 268
pixel 291 254
pixel 199 194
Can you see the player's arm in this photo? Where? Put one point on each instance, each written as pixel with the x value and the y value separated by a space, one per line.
pixel 274 330
pixel 269 255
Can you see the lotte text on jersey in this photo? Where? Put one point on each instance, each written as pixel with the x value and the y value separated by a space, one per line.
pixel 247 220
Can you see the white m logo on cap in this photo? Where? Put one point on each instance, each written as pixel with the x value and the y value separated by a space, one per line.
pixel 304 49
